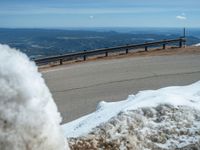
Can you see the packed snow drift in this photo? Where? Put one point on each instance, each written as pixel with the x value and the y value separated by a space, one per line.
pixel 29 119
pixel 168 118
pixel 197 44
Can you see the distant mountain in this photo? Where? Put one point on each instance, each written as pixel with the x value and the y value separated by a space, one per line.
pixel 46 42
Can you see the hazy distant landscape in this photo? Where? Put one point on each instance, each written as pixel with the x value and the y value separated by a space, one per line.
pixel 38 43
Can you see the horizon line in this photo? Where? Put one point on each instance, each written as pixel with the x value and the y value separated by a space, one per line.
pixel 108 27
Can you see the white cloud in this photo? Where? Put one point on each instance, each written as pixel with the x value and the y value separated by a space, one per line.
pixel 91 17
pixel 181 17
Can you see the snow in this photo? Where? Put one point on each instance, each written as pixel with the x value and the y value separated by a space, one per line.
pixel 29 118
pixel 197 44
pixel 176 96
pixel 161 127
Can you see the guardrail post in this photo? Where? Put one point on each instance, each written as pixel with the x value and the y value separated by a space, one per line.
pixel 180 43
pixel 106 54
pixel 84 56
pixel 61 61
pixel 164 46
pixel 146 48
pixel 127 51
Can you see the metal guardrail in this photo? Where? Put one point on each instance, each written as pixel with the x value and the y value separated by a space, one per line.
pixel 126 48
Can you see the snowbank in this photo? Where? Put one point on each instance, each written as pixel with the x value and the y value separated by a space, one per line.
pixel 29 119
pixel 197 44
pixel 175 96
pixel 164 127
pixel 164 119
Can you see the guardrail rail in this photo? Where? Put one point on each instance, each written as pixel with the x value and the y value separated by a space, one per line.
pixel 106 51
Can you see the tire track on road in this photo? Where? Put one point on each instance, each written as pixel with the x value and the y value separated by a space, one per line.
pixel 125 80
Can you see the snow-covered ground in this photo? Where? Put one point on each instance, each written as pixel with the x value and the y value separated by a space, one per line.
pixel 167 118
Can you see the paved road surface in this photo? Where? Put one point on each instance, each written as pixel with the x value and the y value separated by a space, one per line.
pixel 78 88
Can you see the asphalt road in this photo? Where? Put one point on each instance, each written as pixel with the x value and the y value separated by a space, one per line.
pixel 78 88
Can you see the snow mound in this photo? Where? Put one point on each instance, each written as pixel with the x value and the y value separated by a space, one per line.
pixel 164 127
pixel 175 96
pixel 29 119
pixel 197 44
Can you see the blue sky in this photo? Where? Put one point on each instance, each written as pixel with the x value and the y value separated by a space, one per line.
pixel 99 13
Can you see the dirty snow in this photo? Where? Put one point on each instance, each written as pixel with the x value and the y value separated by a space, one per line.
pixel 164 127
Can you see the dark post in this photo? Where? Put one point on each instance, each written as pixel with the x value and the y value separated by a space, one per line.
pixel 61 61
pixel 127 51
pixel 164 46
pixel 184 32
pixel 146 48
pixel 106 53
pixel 180 43
pixel 84 56
pixel 184 35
